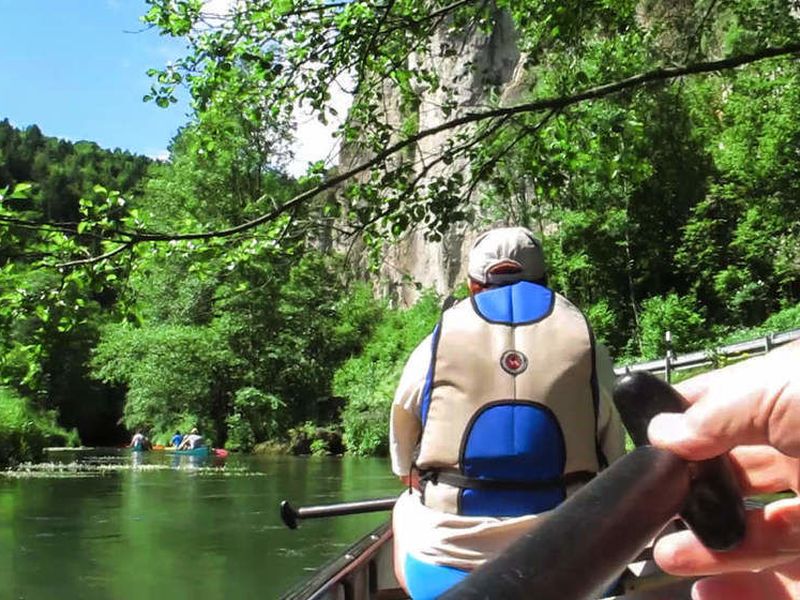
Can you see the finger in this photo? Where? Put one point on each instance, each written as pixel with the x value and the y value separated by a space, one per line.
pixel 764 470
pixel 773 538
pixel 756 402
pixel 718 423
pixel 695 388
pixel 782 583
pixel 746 372
pixel 742 586
pixel 707 429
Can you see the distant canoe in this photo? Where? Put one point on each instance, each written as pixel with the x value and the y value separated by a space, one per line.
pixel 201 451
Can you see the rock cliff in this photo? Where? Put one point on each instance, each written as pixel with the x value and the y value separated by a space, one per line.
pixel 483 61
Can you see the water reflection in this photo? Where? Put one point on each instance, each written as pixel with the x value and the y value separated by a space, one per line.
pixel 117 524
pixel 190 461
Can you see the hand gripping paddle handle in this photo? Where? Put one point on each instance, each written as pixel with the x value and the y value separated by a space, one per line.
pixel 714 509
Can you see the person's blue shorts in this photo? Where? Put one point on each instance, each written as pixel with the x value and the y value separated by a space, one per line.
pixel 427 581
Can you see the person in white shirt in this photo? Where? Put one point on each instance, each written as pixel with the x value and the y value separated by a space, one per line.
pixel 139 441
pixel 192 440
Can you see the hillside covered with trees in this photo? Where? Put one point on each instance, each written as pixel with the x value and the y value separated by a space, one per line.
pixel 655 150
pixel 43 352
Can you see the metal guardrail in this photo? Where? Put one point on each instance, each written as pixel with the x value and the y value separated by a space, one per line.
pixel 671 363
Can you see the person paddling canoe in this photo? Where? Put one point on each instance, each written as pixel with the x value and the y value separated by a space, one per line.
pixel 192 441
pixel 139 441
pixel 176 439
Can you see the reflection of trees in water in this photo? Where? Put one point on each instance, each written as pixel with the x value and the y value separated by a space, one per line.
pixel 99 527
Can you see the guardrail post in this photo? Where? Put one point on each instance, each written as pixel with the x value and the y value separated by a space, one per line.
pixel 768 343
pixel 668 356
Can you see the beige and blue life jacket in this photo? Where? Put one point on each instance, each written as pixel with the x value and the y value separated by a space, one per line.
pixel 510 404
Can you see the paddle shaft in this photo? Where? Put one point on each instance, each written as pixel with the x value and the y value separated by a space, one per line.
pixel 290 515
pixel 584 544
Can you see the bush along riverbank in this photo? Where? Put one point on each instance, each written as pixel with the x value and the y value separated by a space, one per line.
pixel 305 439
pixel 26 432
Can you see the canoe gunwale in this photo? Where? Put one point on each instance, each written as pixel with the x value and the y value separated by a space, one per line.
pixel 201 451
pixel 360 557
pixel 336 570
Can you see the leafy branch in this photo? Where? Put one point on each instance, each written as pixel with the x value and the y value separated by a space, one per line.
pixel 138 234
pixel 548 104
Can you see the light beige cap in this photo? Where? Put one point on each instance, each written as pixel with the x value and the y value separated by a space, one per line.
pixel 506 255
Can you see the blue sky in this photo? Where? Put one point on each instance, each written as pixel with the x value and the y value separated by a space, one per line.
pixel 77 68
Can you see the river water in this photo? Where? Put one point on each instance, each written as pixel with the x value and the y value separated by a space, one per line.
pixel 96 525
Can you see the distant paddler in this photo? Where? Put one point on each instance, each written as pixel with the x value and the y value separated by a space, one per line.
pixel 176 439
pixel 192 441
pixel 139 442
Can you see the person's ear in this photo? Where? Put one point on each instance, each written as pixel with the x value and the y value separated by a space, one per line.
pixel 475 287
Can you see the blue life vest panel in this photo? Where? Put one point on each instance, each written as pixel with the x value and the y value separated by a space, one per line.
pixel 513 442
pixel 517 304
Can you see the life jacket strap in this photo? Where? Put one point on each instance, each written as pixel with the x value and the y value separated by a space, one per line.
pixel 459 480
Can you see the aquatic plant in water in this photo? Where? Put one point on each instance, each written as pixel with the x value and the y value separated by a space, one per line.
pixel 101 468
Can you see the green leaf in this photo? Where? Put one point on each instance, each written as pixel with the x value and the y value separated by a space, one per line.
pixel 281 7
pixel 21 191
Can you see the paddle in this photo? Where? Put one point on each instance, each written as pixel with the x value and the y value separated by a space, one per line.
pixel 290 515
pixel 714 509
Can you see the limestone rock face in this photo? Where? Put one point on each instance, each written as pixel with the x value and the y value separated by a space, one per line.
pixel 480 62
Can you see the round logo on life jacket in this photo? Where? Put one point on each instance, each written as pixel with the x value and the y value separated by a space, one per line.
pixel 513 362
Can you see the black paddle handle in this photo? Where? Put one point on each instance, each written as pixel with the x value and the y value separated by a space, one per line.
pixel 290 515
pixel 578 549
pixel 714 509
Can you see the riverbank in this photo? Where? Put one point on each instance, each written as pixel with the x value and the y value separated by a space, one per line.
pixel 307 439
pixel 25 432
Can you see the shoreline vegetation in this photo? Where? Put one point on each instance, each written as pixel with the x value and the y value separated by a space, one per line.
pixel 26 433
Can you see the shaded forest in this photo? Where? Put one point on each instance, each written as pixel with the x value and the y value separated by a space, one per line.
pixel 43 356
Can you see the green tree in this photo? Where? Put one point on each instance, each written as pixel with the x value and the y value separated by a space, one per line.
pixel 369 379
pixel 50 319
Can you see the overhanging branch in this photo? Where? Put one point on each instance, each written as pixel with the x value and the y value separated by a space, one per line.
pixel 556 104
pixel 95 259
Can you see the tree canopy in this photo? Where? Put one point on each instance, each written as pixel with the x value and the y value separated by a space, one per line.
pixel 653 146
